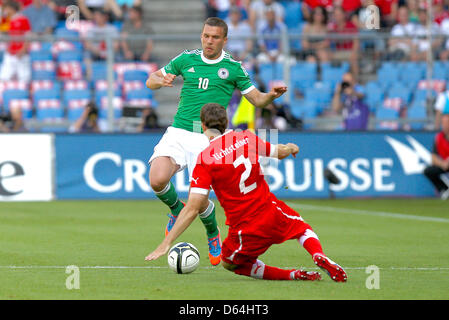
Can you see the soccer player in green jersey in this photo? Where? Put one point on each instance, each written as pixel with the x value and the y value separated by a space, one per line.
pixel 210 75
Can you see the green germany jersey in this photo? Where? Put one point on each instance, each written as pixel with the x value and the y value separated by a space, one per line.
pixel 205 81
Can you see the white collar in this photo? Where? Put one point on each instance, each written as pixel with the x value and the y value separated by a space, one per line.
pixel 209 61
pixel 226 132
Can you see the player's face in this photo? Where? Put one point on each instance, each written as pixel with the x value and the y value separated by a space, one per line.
pixel 212 41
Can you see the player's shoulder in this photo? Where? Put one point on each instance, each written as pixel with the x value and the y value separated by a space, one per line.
pixel 188 53
pixel 229 59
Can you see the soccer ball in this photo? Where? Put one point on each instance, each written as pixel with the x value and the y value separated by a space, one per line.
pixel 183 257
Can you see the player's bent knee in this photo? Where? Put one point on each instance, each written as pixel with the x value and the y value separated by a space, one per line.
pixel 228 266
pixel 158 183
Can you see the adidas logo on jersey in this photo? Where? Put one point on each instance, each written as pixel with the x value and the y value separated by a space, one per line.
pixel 191 70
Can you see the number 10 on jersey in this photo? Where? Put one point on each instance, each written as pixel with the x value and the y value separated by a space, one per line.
pixel 203 83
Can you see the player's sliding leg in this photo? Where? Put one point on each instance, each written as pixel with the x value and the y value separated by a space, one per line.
pixel 207 217
pixel 259 270
pixel 161 171
pixel 309 240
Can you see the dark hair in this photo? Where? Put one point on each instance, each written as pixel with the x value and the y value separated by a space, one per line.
pixel 12 4
pixel 217 22
pixel 323 11
pixel 138 9
pixel 214 116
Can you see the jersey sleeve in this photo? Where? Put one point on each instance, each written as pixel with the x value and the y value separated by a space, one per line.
pixel 201 179
pixel 243 82
pixel 174 66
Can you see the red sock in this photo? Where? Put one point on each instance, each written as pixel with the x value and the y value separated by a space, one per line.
pixel 310 242
pixel 259 270
pixel 313 246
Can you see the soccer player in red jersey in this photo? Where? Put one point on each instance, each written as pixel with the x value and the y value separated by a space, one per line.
pixel 256 218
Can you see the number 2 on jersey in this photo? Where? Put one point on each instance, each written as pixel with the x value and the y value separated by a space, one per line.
pixel 245 175
pixel 203 83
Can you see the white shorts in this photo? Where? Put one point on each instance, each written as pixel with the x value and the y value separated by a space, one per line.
pixel 182 146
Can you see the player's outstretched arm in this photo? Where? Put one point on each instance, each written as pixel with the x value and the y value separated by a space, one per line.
pixel 262 99
pixel 284 150
pixel 185 218
pixel 158 80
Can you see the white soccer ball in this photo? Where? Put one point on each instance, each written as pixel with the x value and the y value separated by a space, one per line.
pixel 183 257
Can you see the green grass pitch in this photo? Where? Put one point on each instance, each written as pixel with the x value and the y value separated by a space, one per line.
pixel 407 239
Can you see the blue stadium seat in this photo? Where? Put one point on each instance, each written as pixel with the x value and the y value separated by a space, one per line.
pixel 45 94
pixel 303 75
pixel 139 94
pixel 421 95
pixel 76 95
pixel 41 55
pixel 104 93
pixel 400 91
pixel 388 75
pixel 295 42
pixel 417 112
pixel 293 13
pixel 100 71
pixel 66 34
pixel 70 55
pixel 320 94
pixel 131 75
pixel 374 95
pixel 43 75
pixel 13 94
pixel 49 109
pixel 389 116
pixel 271 71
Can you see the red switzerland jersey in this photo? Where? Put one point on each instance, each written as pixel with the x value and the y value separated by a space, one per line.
pixel 230 165
pixel 18 26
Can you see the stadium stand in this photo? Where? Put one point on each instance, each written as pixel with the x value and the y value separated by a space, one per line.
pixel 63 65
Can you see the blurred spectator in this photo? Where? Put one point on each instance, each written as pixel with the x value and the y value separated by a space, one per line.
pixel 421 44
pixel 149 120
pixel 126 4
pixel 136 49
pixel 271 49
pixel 309 5
pixel 444 29
pixel 368 31
pixel 12 121
pixel 441 107
pixel 272 116
pixel 439 12
pixel 239 48
pixel 88 122
pixel 345 49
pixel 16 60
pixel 87 8
pixel 60 6
pixel 234 4
pixel 440 160
pixel 349 6
pixel 41 16
pixel 315 43
pixel 348 99
pixel 399 46
pixel 388 12
pixel 96 46
pixel 412 6
pixel 24 3
pixel 257 13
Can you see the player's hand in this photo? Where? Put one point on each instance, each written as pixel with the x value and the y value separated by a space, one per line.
pixel 168 79
pixel 278 91
pixel 160 251
pixel 294 149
